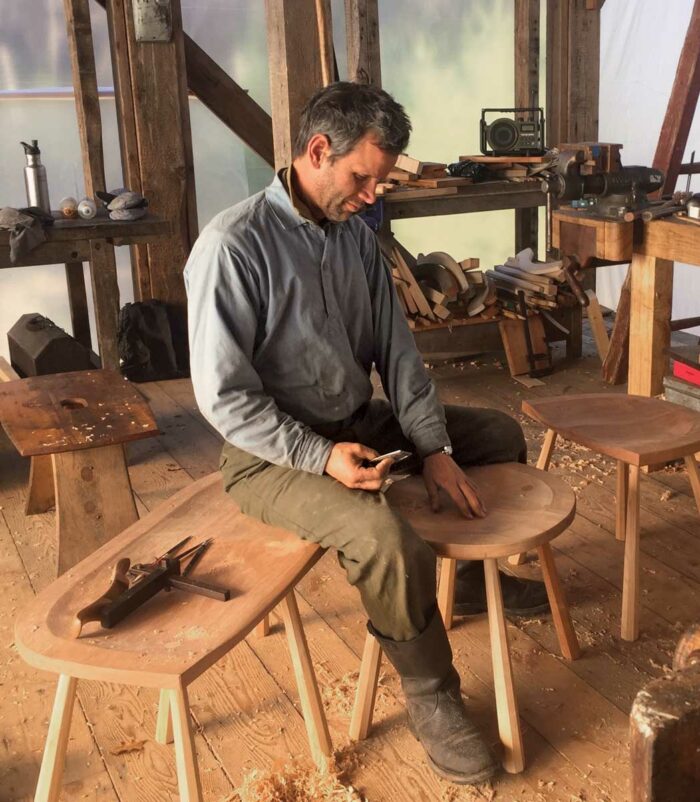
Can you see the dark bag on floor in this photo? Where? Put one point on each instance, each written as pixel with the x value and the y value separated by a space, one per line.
pixel 145 342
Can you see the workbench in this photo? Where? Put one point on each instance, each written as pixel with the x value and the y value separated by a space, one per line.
pixel 651 248
pixel 73 241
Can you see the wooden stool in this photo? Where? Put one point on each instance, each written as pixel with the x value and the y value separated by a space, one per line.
pixel 73 426
pixel 258 563
pixel 635 431
pixel 525 508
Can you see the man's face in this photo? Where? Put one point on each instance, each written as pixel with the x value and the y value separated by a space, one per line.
pixel 347 184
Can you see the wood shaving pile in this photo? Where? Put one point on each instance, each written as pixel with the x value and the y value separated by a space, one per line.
pixel 467 793
pixel 296 784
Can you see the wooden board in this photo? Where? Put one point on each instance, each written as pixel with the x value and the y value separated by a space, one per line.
pixel 604 239
pixel 504 160
pixel 362 33
pixel 639 431
pixel 72 411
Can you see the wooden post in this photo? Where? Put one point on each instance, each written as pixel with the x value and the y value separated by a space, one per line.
pixel 90 129
pixel 161 121
pixel 295 68
pixel 650 328
pixel 681 105
pixel 362 32
pixel 573 66
pixel 527 93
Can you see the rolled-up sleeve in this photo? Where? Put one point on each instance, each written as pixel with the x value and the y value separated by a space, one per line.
pixel 408 387
pixel 224 308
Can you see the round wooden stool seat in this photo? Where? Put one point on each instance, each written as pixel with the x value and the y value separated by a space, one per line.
pixel 525 509
pixel 635 431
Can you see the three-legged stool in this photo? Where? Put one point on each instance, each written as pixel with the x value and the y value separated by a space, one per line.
pixel 636 431
pixel 259 564
pixel 525 508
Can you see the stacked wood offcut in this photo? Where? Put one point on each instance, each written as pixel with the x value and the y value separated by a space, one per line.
pixel 435 288
pixel 542 284
pixel 414 174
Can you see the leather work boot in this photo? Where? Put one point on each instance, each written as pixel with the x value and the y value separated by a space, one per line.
pixel 436 712
pixel 521 597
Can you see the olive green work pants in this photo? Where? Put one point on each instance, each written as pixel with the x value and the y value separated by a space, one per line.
pixel 392 567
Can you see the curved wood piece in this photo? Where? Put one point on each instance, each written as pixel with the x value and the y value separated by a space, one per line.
pixel 92 612
pixel 258 563
pixel 638 431
pixel 568 642
pixel 526 508
pixel 366 695
pixel 506 704
pixel 48 787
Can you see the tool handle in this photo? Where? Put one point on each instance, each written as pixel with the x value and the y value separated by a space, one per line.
pixel 135 596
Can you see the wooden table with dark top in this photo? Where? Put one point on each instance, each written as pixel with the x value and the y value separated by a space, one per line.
pixel 72 242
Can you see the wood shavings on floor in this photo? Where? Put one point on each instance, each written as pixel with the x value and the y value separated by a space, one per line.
pixel 295 783
pixel 339 694
pixel 467 793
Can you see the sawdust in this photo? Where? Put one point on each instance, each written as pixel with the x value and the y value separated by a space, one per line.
pixel 666 495
pixel 295 783
pixel 339 694
pixel 467 793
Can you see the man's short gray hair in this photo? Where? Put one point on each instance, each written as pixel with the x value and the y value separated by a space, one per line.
pixel 345 112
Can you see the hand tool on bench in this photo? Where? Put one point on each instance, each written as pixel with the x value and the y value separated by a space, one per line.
pixel 133 585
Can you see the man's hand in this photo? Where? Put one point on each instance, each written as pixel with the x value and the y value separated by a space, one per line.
pixel 345 464
pixel 441 471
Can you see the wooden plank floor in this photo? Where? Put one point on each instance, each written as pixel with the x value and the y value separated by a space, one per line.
pixel 246 708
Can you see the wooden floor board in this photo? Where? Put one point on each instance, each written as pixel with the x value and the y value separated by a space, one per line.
pixel 246 708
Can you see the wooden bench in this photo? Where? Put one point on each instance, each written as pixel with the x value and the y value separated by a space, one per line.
pixel 526 509
pixel 74 426
pixel 173 638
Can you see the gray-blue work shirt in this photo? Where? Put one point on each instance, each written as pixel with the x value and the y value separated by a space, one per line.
pixel 286 319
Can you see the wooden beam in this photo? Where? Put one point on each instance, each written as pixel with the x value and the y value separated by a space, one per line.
pixel 527 93
pixel 681 105
pixel 324 16
pixel 573 67
pixel 79 31
pixel 231 104
pixel 295 68
pixel 362 32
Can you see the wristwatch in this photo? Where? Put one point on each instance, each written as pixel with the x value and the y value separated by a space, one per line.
pixel 444 450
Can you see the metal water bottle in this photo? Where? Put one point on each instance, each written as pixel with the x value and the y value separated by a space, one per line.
pixel 35 178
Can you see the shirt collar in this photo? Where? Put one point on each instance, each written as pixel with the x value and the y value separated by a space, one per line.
pixel 286 206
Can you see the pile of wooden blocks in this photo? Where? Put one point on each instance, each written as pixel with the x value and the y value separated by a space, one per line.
pixel 541 283
pixel 435 288
pixel 409 172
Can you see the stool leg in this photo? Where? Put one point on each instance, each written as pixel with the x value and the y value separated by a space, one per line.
pixel 41 495
pixel 362 711
pixel 446 590
pixel 568 642
pixel 309 696
pixel 262 630
pixel 631 574
pixel 621 499
pixel 506 705
pixel 694 477
pixel 48 787
pixel 545 458
pixel 94 501
pixel 164 722
pixel 188 781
